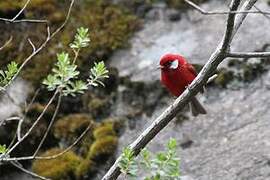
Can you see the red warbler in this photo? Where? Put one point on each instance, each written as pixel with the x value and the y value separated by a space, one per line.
pixel 176 75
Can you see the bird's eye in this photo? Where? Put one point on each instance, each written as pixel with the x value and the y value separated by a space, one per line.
pixel 174 64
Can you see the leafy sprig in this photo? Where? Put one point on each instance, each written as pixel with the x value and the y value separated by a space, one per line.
pixel 127 163
pixel 64 75
pixel 3 149
pixel 7 75
pixel 161 166
pixel 98 72
pixel 81 39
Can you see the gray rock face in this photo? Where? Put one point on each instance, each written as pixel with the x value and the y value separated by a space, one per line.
pixel 231 142
pixel 195 36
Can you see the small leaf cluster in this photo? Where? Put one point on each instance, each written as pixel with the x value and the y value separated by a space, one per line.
pixel 98 72
pixel 81 39
pixel 7 75
pixel 161 166
pixel 3 149
pixel 127 163
pixel 65 73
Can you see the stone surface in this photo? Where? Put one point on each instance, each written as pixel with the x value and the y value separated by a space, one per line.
pixel 232 141
pixel 195 36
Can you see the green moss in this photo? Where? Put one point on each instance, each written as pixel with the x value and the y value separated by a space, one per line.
pixel 84 169
pixel 110 28
pixel 60 168
pixel 36 109
pixel 97 106
pixel 252 69
pixel 223 78
pixel 103 147
pixel 104 130
pixel 71 126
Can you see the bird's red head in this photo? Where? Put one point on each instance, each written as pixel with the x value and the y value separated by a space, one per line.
pixel 171 61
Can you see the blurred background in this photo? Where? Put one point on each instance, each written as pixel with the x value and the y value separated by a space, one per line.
pixel 231 142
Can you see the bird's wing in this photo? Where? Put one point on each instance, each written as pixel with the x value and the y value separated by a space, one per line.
pixel 194 72
pixel 191 69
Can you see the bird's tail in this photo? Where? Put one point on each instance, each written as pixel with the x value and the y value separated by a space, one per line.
pixel 196 107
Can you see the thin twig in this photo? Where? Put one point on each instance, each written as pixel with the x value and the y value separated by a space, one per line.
pixel 6 43
pixel 19 166
pixel 27 107
pixel 14 19
pixel 50 125
pixel 21 11
pixel 204 12
pixel 159 123
pixel 32 127
pixel 6 159
pixel 249 54
pixel 49 37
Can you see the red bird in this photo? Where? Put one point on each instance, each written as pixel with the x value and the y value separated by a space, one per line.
pixel 176 75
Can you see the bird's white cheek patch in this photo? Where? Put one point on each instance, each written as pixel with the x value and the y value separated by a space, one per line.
pixel 174 64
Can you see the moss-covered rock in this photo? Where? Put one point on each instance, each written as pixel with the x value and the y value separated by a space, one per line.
pixel 110 28
pixel 252 68
pixel 104 130
pixel 62 167
pixel 223 78
pixel 97 104
pixel 84 169
pixel 36 109
pixel 70 127
pixel 103 147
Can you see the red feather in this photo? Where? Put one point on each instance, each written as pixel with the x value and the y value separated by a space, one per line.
pixel 176 80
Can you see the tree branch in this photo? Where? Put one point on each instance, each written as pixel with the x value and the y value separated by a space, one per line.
pixel 6 43
pixel 8 159
pixel 158 124
pixel 50 125
pixel 37 50
pixel 19 166
pixel 241 11
pixel 249 54
pixel 14 19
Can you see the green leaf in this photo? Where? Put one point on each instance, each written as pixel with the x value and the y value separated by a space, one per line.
pixel 127 163
pixel 3 149
pixel 7 75
pixel 172 144
pixel 81 39
pixel 97 73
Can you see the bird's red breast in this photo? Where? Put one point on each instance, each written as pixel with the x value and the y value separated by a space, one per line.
pixel 176 78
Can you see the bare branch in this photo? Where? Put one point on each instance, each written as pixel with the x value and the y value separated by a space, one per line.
pixel 19 166
pixel 249 54
pixel 27 107
pixel 32 44
pixel 159 123
pixel 6 159
pixel 265 15
pixel 204 12
pixel 31 128
pixel 14 19
pixel 6 43
pixel 241 17
pixel 50 125
pixel 21 11
pixel 49 37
